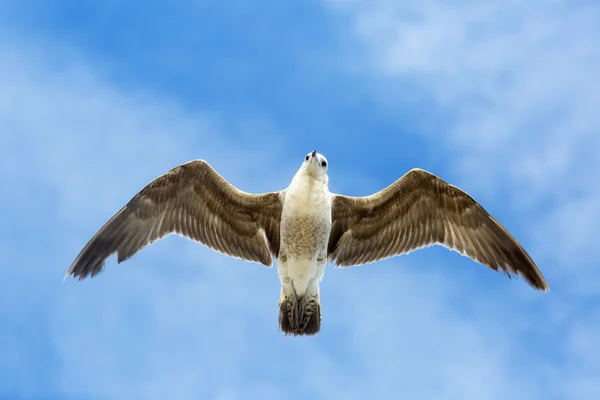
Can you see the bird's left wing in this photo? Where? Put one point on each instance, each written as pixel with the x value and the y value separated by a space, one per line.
pixel 418 210
pixel 194 201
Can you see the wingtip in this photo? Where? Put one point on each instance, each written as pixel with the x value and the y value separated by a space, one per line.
pixel 546 289
pixel 67 275
pixel 71 271
pixel 540 285
pixel 543 285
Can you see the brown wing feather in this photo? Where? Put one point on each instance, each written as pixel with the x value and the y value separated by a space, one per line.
pixel 194 201
pixel 418 210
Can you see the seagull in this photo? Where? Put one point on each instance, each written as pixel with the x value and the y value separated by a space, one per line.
pixel 304 227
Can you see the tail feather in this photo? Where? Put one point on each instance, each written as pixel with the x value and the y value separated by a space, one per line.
pixel 299 317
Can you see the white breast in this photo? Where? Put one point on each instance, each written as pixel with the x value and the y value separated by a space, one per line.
pixel 307 196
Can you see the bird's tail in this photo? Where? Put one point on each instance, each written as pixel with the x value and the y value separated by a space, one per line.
pixel 300 316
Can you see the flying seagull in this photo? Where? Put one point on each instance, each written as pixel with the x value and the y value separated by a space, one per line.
pixel 304 226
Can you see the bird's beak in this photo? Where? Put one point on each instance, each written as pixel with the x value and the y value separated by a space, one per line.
pixel 314 153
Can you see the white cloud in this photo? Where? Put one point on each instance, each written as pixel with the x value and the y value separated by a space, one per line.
pixel 515 83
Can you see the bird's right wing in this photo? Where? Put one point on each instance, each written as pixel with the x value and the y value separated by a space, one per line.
pixel 417 210
pixel 192 200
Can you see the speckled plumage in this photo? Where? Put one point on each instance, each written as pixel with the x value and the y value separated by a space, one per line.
pixel 304 226
pixel 303 235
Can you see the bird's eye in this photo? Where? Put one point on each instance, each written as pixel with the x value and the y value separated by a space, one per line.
pixel 307 157
pixel 323 163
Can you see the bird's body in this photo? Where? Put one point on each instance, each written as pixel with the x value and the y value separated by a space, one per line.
pixel 304 226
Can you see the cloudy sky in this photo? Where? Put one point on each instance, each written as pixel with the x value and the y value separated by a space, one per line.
pixel 99 98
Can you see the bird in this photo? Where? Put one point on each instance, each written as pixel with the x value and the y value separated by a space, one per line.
pixel 304 227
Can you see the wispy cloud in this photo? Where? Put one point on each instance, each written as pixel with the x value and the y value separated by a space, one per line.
pixel 514 87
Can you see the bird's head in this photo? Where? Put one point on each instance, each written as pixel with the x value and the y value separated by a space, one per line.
pixel 315 165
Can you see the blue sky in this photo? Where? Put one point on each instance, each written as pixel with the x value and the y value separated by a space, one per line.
pixel 99 98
